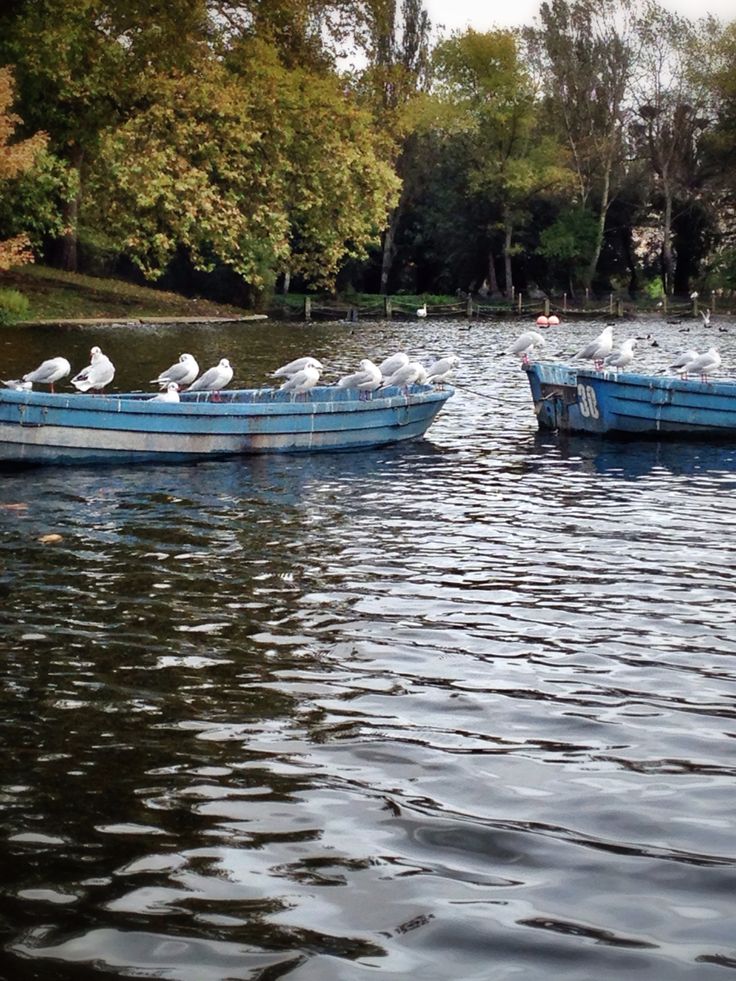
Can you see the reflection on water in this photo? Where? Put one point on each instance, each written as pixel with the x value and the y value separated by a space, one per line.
pixel 459 709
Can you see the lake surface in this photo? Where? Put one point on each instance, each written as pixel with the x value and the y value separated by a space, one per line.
pixel 461 709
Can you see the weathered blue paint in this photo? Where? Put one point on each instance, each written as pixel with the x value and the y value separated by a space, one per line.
pixel 38 427
pixel 588 401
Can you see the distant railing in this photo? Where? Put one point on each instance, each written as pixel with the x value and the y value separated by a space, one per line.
pixel 398 308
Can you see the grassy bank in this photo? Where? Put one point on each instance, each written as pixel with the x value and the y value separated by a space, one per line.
pixel 56 295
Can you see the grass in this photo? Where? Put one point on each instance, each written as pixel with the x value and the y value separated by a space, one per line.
pixel 56 295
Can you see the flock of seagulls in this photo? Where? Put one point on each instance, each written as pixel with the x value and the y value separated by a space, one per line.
pixel 298 377
pixel 601 351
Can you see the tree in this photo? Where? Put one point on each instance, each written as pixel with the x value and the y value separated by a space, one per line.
pixel 672 102
pixel 587 53
pixel 263 171
pixel 490 104
pixel 15 159
pixel 397 46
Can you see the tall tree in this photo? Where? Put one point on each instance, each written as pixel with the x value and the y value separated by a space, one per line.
pixel 489 102
pixel 672 102
pixel 397 48
pixel 587 53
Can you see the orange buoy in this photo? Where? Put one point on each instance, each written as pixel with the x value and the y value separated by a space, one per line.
pixel 554 320
pixel 542 321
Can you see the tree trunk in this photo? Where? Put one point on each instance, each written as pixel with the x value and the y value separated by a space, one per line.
pixel 508 232
pixel 492 278
pixel 600 231
pixel 67 257
pixel 389 248
pixel 667 260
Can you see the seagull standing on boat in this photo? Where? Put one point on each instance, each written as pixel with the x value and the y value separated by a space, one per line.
pixel 598 349
pixel 366 380
pixel 183 372
pixel 623 356
pixel 439 372
pixel 681 360
pixel 99 373
pixel 47 373
pixel 704 365
pixel 287 370
pixel 301 381
pixel 170 395
pixel 391 364
pixel 405 376
pixel 526 344
pixel 213 379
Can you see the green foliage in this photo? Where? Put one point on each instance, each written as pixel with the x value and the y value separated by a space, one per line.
pixel 570 239
pixel 265 170
pixel 33 202
pixel 13 306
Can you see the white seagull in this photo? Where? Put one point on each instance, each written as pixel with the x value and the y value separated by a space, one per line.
pixel 47 373
pixel 526 344
pixel 599 348
pixel 682 359
pixel 170 395
pixel 287 370
pixel 183 372
pixel 623 356
pixel 705 314
pixel 405 376
pixel 440 371
pixel 16 385
pixel 302 381
pixel 99 373
pixel 366 380
pixel 214 378
pixel 422 311
pixel 391 364
pixel 703 365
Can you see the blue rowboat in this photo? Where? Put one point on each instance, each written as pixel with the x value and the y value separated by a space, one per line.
pixel 586 401
pixel 37 427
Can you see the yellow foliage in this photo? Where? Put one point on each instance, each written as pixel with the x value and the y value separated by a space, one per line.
pixel 15 159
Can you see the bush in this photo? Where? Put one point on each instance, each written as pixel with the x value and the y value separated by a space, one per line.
pixel 13 306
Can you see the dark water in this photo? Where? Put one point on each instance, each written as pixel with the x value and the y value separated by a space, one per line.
pixel 457 710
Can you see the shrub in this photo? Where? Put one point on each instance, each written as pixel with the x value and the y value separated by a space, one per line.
pixel 13 306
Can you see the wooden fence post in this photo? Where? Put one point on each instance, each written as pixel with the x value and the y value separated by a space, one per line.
pixel 664 304
pixel 587 296
pixel 695 306
pixel 307 308
pixel 546 306
pixel 387 308
pixel 519 298
pixel 610 303
pixel 619 308
pixel 564 302
pixel 470 306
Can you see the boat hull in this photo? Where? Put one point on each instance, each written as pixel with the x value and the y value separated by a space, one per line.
pixel 587 401
pixel 44 428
